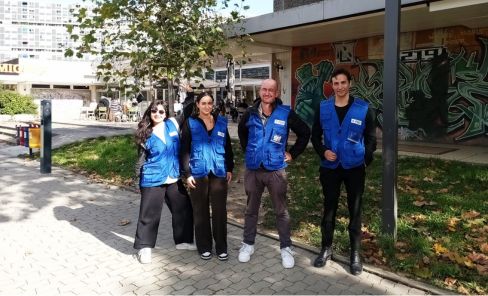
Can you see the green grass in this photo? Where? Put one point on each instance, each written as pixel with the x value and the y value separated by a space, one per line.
pixel 434 240
pixel 111 159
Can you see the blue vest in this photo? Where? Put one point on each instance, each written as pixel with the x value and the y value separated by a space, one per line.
pixel 208 152
pixel 347 139
pixel 267 144
pixel 162 159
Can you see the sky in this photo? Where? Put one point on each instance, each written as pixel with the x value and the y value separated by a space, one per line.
pixel 256 7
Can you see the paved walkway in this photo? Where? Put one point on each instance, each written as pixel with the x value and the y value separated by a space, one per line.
pixel 61 233
pixel 64 234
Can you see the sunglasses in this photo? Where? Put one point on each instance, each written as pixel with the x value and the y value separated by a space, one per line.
pixel 158 111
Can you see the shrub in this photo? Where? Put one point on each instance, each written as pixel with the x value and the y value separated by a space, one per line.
pixel 14 103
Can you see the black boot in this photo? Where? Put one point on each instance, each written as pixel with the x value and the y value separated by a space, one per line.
pixel 355 264
pixel 325 254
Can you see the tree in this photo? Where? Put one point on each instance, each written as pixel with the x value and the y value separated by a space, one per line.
pixel 142 42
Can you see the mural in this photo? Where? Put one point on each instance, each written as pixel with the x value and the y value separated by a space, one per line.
pixel 443 95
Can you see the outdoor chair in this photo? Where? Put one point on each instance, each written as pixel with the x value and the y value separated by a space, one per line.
pixel 90 111
pixel 102 113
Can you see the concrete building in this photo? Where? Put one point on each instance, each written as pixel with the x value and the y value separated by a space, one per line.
pixel 443 61
pixel 35 30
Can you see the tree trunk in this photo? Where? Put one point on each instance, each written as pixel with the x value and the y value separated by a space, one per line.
pixel 171 97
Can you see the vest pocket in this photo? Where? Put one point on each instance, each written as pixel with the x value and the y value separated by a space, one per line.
pixel 278 136
pixel 353 153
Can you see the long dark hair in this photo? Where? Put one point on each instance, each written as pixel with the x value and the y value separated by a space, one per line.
pixel 145 126
pixel 197 100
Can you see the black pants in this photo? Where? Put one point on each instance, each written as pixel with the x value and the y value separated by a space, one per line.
pixel 179 204
pixel 210 191
pixel 331 180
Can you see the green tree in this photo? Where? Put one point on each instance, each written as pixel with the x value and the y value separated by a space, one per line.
pixel 12 103
pixel 142 42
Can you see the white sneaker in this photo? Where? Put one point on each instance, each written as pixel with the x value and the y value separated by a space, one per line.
pixel 144 255
pixel 245 252
pixel 186 246
pixel 287 258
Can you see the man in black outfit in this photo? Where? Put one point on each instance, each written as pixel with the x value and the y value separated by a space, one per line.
pixel 344 137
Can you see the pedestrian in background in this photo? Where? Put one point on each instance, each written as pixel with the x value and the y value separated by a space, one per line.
pixel 344 137
pixel 157 139
pixel 263 134
pixel 207 162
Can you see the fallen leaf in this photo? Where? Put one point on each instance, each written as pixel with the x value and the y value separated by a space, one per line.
pixel 428 179
pixel 470 215
pixel 484 248
pixel 463 290
pixel 400 245
pixel 482 269
pixel 402 256
pixel 426 260
pixel 451 225
pixel 450 281
pixel 124 222
pixel 478 258
pixel 420 203
pixel 443 190
pixel 439 249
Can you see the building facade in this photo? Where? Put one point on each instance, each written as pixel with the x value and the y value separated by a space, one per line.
pixel 443 70
pixel 35 30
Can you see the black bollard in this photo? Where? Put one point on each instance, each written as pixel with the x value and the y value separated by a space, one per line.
pixel 46 137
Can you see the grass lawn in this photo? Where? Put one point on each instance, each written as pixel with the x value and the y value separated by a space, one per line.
pixel 442 224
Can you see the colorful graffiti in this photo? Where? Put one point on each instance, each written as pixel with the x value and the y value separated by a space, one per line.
pixel 444 97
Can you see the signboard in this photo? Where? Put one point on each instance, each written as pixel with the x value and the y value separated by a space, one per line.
pixel 11 67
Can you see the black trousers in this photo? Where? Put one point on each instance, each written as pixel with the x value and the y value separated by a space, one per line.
pixel 331 180
pixel 210 191
pixel 179 204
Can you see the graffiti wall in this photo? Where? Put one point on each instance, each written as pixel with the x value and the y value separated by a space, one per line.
pixel 443 82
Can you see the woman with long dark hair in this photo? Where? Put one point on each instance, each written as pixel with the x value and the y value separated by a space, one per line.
pixel 157 138
pixel 207 162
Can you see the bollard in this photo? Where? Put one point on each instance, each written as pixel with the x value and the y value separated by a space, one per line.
pixel 46 137
pixel 17 134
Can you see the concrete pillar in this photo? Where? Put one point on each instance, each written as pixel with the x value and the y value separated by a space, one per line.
pixel 93 93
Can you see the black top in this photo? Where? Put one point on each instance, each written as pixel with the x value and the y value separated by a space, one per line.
pixel 294 122
pixel 185 148
pixel 369 132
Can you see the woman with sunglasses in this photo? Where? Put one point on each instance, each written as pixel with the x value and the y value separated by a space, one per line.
pixel 157 139
pixel 207 162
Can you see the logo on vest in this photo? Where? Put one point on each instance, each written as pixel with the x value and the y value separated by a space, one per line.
pixel 276 139
pixel 173 133
pixel 220 134
pixel 356 121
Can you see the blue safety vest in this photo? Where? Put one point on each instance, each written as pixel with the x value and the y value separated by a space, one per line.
pixel 162 158
pixel 208 151
pixel 347 139
pixel 266 145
